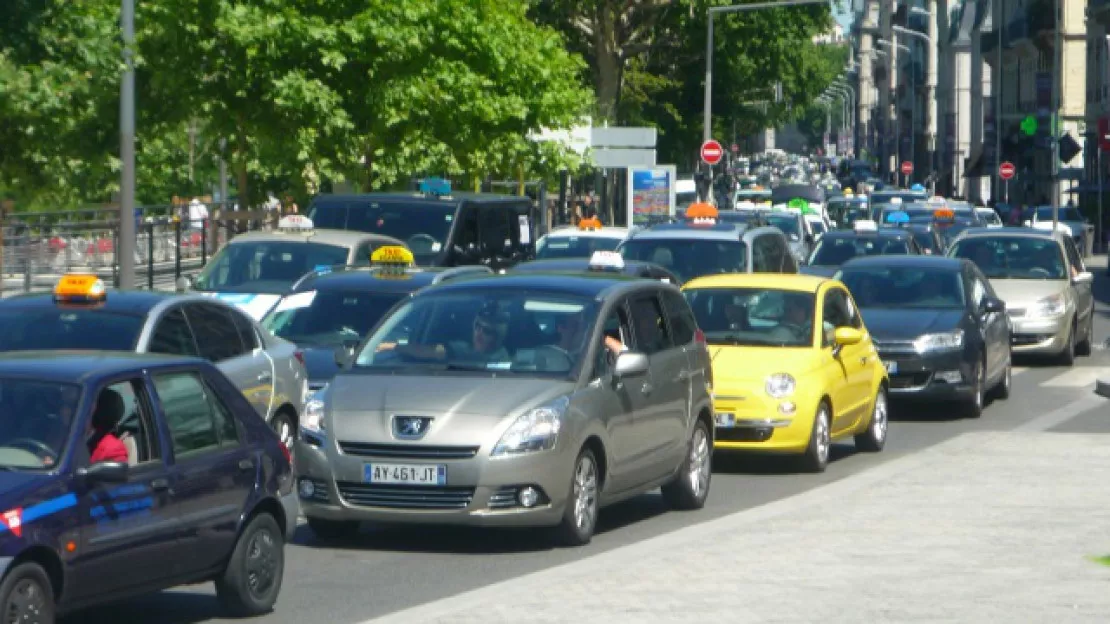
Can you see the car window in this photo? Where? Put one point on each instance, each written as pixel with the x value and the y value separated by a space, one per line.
pixel 761 256
pixel 362 254
pixel 574 246
pixel 197 420
pixel 173 336
pixel 682 322
pixel 651 334
pixel 837 312
pixel 978 292
pixel 688 258
pixel 266 266
pixel 904 287
pixel 52 328
pixel 422 225
pixel 1013 257
pixel 753 316
pixel 1074 259
pixel 835 251
pixel 217 336
pixel 135 424
pixel 37 417
pixel 329 317
pixel 246 330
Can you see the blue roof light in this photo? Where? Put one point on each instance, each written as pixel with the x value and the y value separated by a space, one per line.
pixel 918 187
pixel 898 217
pixel 435 186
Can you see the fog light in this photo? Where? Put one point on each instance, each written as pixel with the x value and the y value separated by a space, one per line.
pixel 529 497
pixel 952 377
pixel 787 407
pixel 307 488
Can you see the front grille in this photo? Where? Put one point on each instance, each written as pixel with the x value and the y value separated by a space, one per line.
pixel 743 434
pixel 407 451
pixel 895 346
pixel 504 498
pixel 405 497
pixel 910 380
pixel 1029 339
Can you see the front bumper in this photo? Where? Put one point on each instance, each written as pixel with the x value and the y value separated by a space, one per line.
pixel 479 490
pixel 759 423
pixel 1046 336
pixel 933 376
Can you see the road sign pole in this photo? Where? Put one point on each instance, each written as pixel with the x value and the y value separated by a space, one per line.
pixel 1006 190
pixel 1098 224
pixel 125 244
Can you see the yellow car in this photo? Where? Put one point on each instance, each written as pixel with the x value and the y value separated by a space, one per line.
pixel 779 386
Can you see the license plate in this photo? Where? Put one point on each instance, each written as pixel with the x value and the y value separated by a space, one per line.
pixel 726 420
pixel 405 474
pixel 891 368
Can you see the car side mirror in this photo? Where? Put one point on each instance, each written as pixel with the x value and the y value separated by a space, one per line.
pixel 845 336
pixel 1027 223
pixel 991 305
pixel 343 356
pixel 184 283
pixel 630 364
pixel 1086 277
pixel 104 472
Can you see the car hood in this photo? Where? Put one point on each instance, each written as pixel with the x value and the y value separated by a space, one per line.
pixel 465 409
pixel 740 365
pixel 819 271
pixel 1019 293
pixel 908 324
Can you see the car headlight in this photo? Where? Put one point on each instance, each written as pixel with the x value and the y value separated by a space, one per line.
pixel 1049 307
pixel 534 430
pixel 945 341
pixel 313 419
pixel 780 385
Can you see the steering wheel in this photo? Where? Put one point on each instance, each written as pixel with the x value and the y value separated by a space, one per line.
pixel 428 240
pixel 40 448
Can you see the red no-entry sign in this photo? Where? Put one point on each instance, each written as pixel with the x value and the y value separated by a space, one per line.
pixel 712 152
pixel 1006 170
pixel 907 167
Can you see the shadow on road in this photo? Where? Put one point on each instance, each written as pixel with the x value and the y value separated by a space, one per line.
pixel 168 607
pixel 773 465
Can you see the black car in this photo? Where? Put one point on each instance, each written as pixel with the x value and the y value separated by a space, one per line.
pixel 327 314
pixel 939 327
pixel 124 474
pixel 635 268
pixel 840 246
pixel 927 236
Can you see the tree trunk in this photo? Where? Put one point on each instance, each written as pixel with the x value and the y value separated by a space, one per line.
pixel 609 61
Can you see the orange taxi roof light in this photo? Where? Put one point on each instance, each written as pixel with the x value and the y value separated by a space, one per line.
pixel 944 213
pixel 592 223
pixel 80 287
pixel 702 211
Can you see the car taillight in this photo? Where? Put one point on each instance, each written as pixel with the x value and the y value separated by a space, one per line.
pixel 699 337
pixel 285 451
pixel 300 356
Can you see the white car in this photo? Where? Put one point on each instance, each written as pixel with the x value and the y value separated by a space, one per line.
pixel 989 217
pixel 580 241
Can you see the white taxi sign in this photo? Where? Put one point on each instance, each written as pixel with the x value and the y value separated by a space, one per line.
pixel 866 225
pixel 895 200
pixel 936 200
pixel 295 223
pixel 606 260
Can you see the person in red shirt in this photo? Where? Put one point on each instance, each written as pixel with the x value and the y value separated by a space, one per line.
pixel 104 446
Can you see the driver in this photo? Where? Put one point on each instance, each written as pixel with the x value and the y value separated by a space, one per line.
pixel 486 344
pixel 571 329
pixel 796 317
pixel 103 445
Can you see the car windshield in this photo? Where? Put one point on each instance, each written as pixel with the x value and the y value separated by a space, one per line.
pixel 266 266
pixel 488 332
pixel 422 226
pixel 753 316
pixel 689 258
pixel 818 227
pixel 574 246
pixel 951 229
pixel 37 417
pixel 1014 257
pixel 904 287
pixel 787 222
pixel 924 239
pixel 836 251
pixel 1064 213
pixel 330 317
pixel 64 327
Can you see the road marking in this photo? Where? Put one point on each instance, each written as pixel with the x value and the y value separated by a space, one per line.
pixel 1079 377
pixel 1063 414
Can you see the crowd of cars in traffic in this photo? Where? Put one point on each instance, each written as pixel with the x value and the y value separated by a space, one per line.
pixel 424 359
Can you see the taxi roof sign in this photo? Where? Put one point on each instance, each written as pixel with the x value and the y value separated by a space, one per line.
pixel 392 254
pixel 80 287
pixel 900 216
pixel 866 225
pixel 592 223
pixel 895 201
pixel 606 260
pixel 944 214
pixel 295 223
pixel 917 187
pixel 702 213
pixel 435 186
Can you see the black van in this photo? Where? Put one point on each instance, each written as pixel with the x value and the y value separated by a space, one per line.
pixel 449 230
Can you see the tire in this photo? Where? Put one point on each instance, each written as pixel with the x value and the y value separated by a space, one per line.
pixel 1083 348
pixel 816 457
pixel 1067 356
pixel 285 427
pixel 28 595
pixel 251 582
pixel 874 438
pixel 690 487
pixel 979 401
pixel 333 529
pixel 580 515
pixel 1005 385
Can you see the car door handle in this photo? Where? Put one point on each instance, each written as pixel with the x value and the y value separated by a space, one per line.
pixel 246 464
pixel 266 377
pixel 160 485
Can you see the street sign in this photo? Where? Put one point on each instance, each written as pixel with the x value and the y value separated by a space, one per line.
pixel 735 148
pixel 907 167
pixel 712 152
pixel 1006 170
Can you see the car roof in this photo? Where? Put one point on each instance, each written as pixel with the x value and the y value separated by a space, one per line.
pixel 781 281
pixel 418 198
pixel 881 232
pixel 722 230
pixel 910 262
pixel 127 302
pixel 598 285
pixel 372 279
pixel 607 231
pixel 1022 232
pixel 344 238
pixel 83 366
pixel 576 265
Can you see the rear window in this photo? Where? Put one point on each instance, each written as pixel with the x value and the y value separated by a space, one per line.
pixel 266 266
pixel 68 328
pixel 574 246
pixel 689 258
pixel 329 318
pixel 837 251
pixel 423 226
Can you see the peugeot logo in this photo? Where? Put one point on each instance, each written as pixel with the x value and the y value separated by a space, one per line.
pixel 410 427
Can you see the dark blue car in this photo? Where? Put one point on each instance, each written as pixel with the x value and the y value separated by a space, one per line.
pixel 199 488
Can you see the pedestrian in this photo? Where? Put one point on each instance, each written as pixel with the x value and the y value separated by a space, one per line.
pixel 198 214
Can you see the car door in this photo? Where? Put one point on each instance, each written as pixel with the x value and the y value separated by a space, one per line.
pixel 219 342
pixel 994 326
pixel 129 535
pixel 171 335
pixel 1084 291
pixel 261 359
pixel 616 401
pixel 849 364
pixel 683 327
pixel 212 471
pixel 660 420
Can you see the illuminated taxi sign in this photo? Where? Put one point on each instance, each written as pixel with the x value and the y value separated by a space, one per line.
pixel 900 216
pixel 944 214
pixel 435 186
pixel 607 261
pixel 702 214
pixel 919 188
pixel 593 223
pixel 79 287
pixel 798 204
pixel 866 225
pixel 896 201
pixel 392 260
pixel 295 223
pixel 848 192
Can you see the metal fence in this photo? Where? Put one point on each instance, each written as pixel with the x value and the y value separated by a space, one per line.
pixel 37 248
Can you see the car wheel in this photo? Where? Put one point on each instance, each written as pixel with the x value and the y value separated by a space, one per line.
pixel 251 583
pixel 1084 346
pixel 816 458
pixel 874 438
pixel 691 487
pixel 333 529
pixel 26 595
pixel 1067 356
pixel 580 514
pixel 285 428
pixel 978 401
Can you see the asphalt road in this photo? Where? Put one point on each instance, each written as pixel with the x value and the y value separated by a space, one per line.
pixel 387 569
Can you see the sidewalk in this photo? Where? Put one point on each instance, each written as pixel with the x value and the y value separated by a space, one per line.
pixel 986 527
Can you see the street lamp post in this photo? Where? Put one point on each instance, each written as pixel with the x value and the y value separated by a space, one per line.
pixel 1054 121
pixel 925 39
pixel 125 247
pixel 707 122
